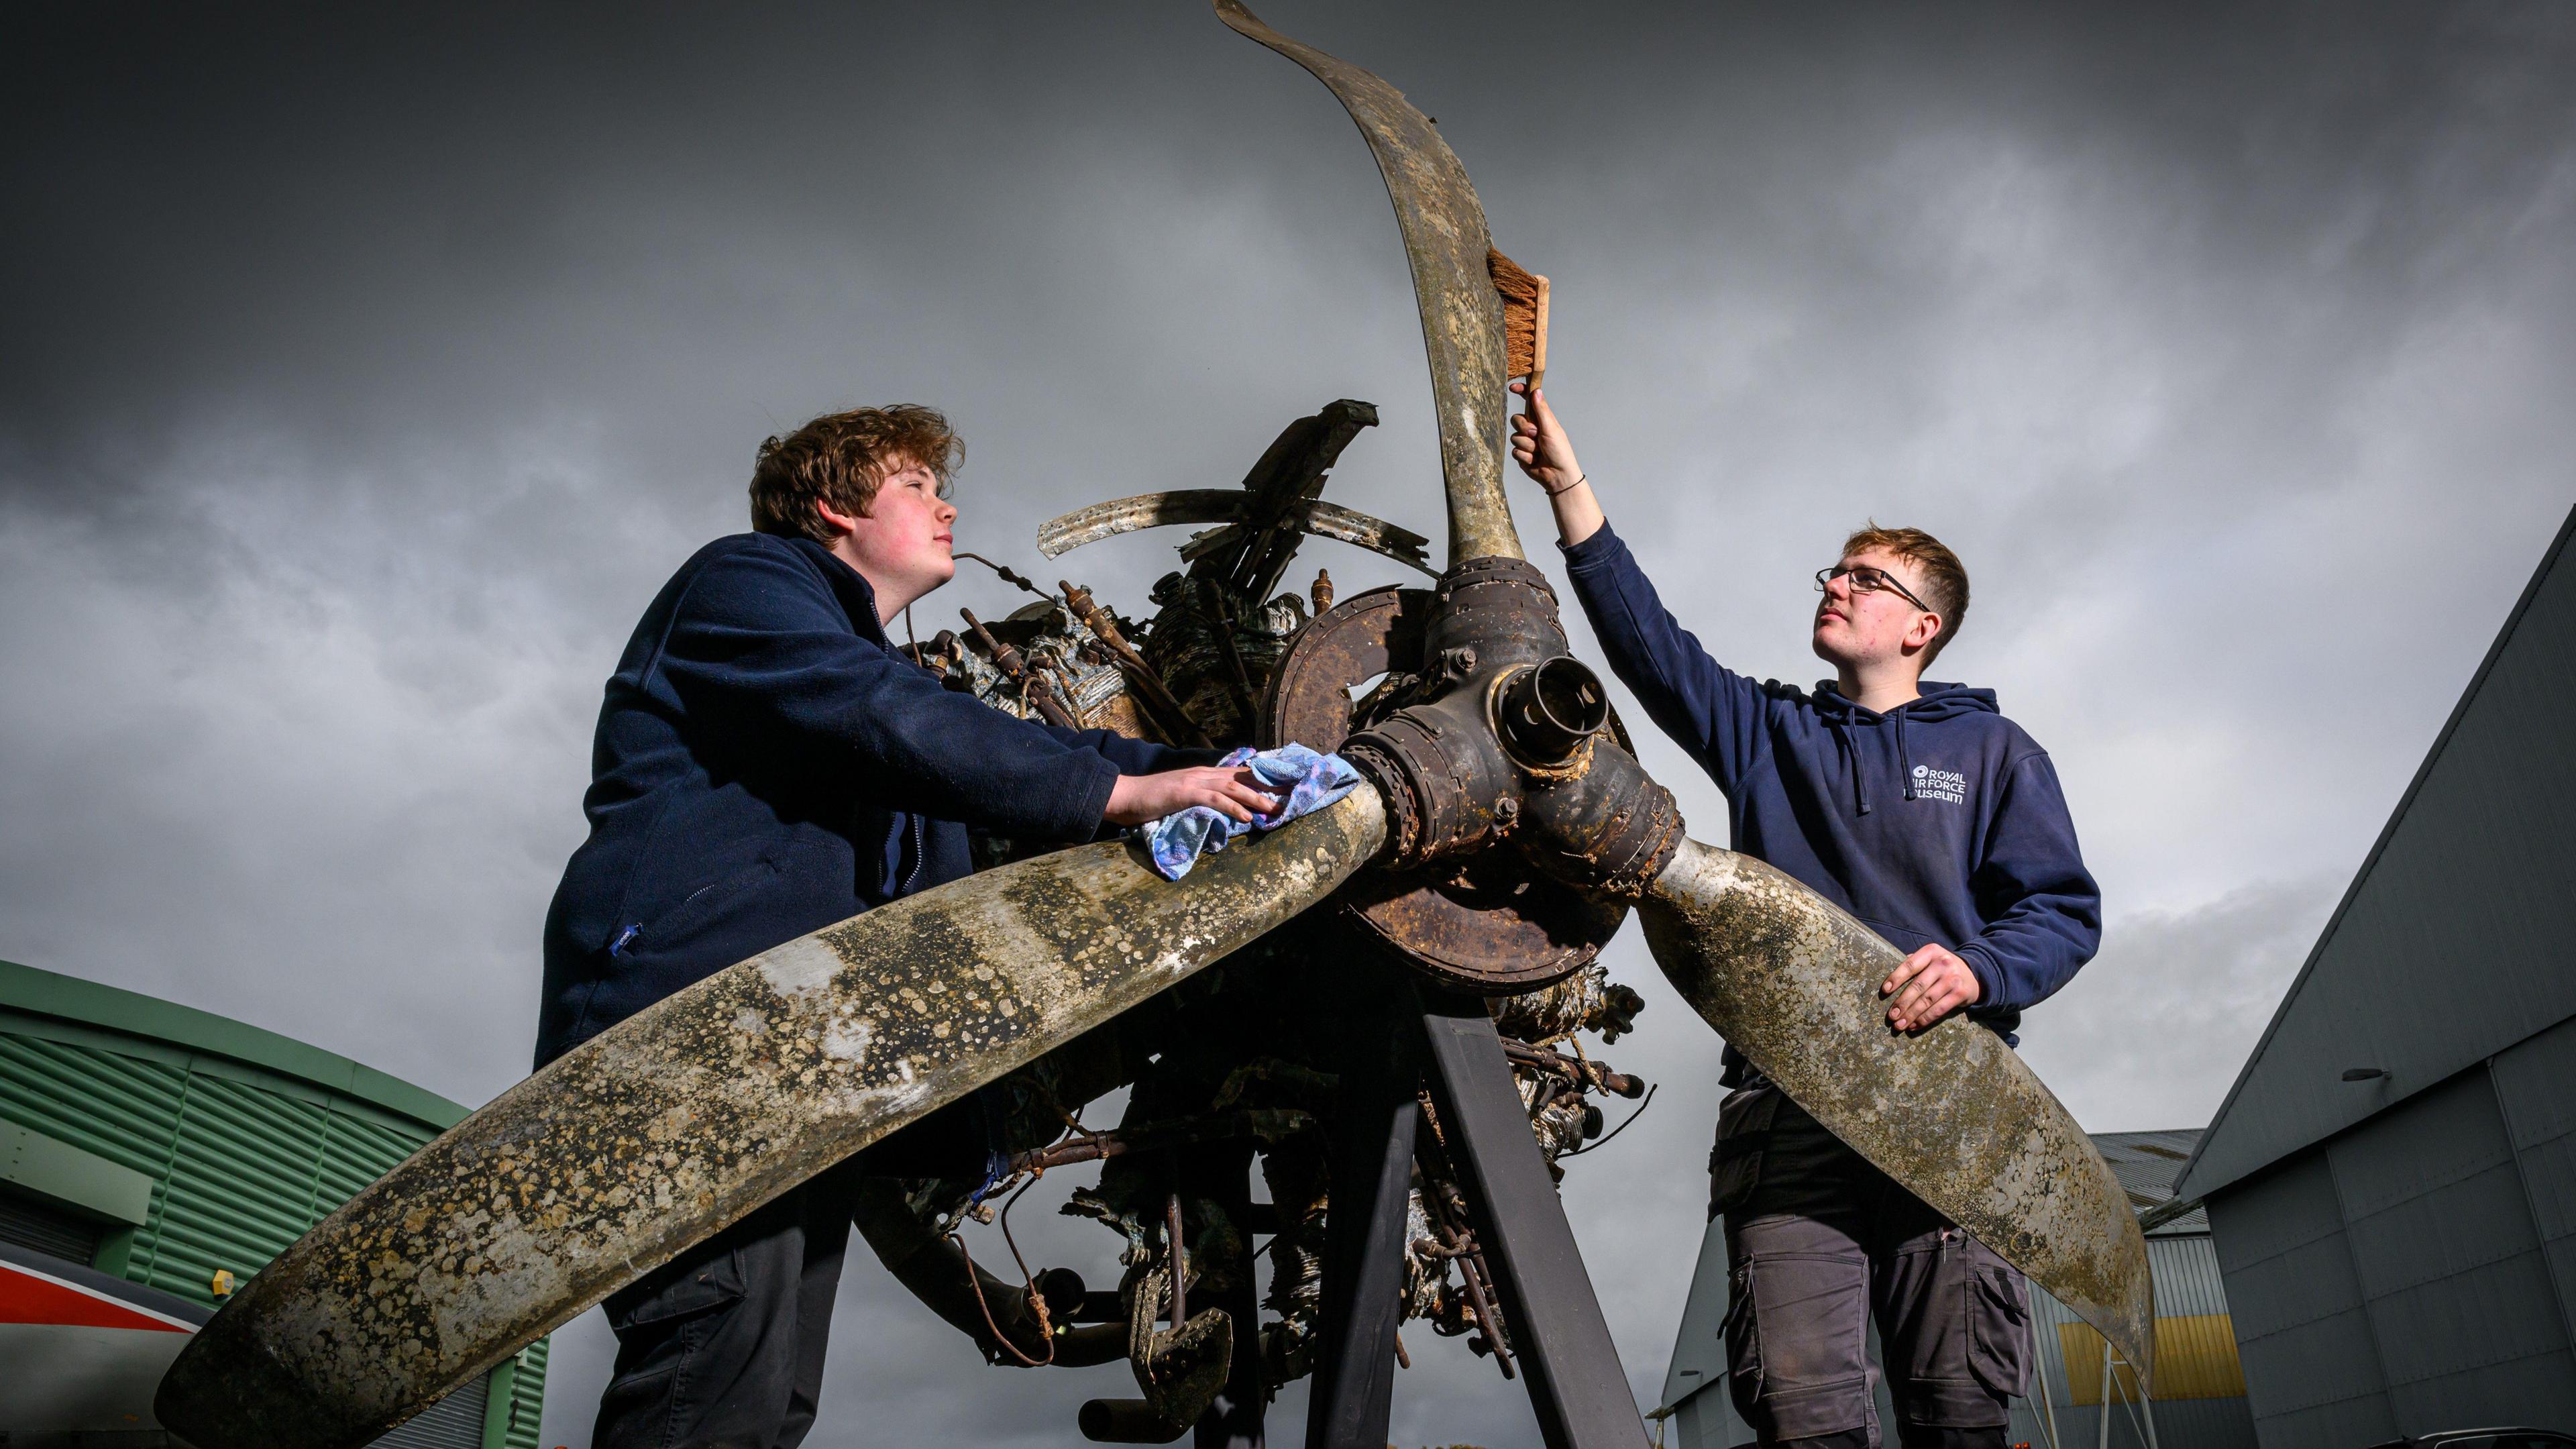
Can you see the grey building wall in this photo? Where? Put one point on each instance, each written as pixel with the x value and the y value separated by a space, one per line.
pixel 2536 1087
pixel 2451 944
pixel 2311 1367
pixel 2413 1274
pixel 2400 1246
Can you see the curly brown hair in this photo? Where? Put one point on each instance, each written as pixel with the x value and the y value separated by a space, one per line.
pixel 1945 579
pixel 840 458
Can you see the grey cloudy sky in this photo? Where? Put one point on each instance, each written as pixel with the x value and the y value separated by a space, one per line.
pixel 367 370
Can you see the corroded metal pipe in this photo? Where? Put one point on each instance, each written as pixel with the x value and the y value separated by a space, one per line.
pixel 1952 1113
pixel 684 1118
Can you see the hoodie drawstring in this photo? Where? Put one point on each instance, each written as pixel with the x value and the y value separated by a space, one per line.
pixel 1851 762
pixel 1904 761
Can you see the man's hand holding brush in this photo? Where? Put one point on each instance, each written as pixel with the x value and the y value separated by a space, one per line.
pixel 1546 454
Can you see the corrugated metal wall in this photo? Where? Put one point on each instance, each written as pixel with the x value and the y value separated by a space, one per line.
pixel 2200 1390
pixel 520 1432
pixel 243 1160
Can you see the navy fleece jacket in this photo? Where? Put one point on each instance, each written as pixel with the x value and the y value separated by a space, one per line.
pixel 1938 821
pixel 766 765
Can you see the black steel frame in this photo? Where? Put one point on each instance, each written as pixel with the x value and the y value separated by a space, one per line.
pixel 1416 1037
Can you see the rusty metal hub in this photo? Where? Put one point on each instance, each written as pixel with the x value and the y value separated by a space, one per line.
pixel 1480 730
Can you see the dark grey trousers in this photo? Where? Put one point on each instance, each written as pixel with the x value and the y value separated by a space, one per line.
pixel 1818 1242
pixel 722 1347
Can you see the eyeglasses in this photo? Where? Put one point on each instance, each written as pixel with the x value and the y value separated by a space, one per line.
pixel 1867 580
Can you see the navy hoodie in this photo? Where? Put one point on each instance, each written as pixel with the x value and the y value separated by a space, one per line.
pixel 766 765
pixel 1937 821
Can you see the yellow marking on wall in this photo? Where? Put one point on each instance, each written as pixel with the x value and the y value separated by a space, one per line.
pixel 2195 1359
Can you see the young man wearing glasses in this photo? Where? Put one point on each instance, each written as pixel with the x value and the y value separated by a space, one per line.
pixel 1939 823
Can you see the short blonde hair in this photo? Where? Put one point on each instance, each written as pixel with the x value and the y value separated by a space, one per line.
pixel 1945 579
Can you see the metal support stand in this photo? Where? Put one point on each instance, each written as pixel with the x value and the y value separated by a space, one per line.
pixel 1371 1172
pixel 2048 1406
pixel 1553 1320
pixel 1234 1420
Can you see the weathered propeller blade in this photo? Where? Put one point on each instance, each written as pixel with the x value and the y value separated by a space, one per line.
pixel 683 1119
pixel 1462 318
pixel 1951 1113
pixel 1066 532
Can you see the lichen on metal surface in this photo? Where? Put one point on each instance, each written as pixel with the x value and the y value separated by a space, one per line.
pixel 1445 241
pixel 690 1115
pixel 1952 1113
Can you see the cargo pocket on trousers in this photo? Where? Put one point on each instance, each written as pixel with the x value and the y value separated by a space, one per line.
pixel 1743 1344
pixel 702 1286
pixel 1999 1331
pixel 1743 1133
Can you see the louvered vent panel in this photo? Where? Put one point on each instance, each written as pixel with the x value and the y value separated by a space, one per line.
pixel 355 1152
pixel 454 1422
pixel 28 1223
pixel 528 1397
pixel 122 1108
pixel 239 1171
pixel 240 1189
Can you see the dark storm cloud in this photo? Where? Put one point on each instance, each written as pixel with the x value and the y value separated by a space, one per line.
pixel 366 371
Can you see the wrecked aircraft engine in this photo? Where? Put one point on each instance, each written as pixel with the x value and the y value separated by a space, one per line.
pixel 1252 1008
pixel 1234 1070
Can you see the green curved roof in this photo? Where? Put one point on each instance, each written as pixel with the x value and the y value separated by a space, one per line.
pixel 131 1013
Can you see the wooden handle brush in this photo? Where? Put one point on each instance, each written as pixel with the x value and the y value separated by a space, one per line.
pixel 1524 294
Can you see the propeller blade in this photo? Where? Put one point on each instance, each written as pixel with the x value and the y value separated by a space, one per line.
pixel 1462 317
pixel 681 1120
pixel 1951 1113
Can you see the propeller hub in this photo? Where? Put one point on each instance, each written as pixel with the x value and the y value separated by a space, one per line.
pixel 1518 824
pixel 1547 711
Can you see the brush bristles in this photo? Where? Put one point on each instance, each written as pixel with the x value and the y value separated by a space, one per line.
pixel 1524 295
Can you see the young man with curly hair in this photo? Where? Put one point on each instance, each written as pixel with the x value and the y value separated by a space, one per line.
pixel 1921 810
pixel 766 764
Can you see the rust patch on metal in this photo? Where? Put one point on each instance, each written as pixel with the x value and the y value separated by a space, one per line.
pixel 1366 635
pixel 1951 1113
pixel 1490 923
pixel 690 1115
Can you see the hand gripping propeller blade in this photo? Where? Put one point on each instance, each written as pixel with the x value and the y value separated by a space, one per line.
pixel 681 1120
pixel 1951 1113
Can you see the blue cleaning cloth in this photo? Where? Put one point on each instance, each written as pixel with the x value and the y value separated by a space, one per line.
pixel 1312 782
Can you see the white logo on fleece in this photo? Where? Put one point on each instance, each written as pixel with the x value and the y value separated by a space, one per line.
pixel 1932 784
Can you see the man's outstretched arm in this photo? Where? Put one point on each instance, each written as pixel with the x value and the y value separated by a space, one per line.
pixel 759 646
pixel 1707 709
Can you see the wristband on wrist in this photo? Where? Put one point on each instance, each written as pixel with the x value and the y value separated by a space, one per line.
pixel 1579 481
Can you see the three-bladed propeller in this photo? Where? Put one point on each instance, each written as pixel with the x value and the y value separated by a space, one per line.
pixel 686 1117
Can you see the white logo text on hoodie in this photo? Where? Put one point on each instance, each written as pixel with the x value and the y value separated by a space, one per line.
pixel 1932 784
